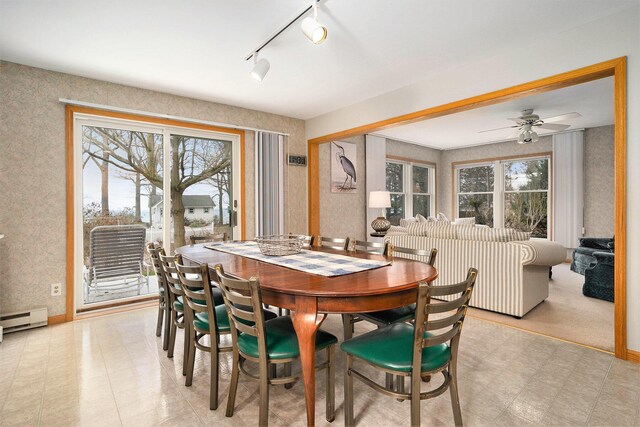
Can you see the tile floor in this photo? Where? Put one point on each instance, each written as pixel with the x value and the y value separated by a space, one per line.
pixel 112 371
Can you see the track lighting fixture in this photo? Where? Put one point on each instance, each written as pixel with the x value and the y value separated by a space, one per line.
pixel 260 68
pixel 311 28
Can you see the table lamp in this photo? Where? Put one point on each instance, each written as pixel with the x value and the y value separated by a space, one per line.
pixel 380 200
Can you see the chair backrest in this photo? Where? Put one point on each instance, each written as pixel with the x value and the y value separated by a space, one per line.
pixel 333 242
pixel 196 285
pixel 220 237
pixel 154 250
pixel 170 273
pixel 370 247
pixel 307 241
pixel 431 255
pixel 448 323
pixel 244 306
pixel 116 251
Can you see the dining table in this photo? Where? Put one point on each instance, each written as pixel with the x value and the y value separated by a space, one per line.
pixel 310 297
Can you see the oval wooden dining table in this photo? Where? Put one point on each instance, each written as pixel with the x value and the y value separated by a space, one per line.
pixel 311 297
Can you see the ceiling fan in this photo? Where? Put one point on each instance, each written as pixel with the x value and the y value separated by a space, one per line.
pixel 528 120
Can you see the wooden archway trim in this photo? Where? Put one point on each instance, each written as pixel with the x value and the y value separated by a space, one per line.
pixel 616 68
pixel 70 110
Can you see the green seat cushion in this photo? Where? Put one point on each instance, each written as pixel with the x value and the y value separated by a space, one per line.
pixel 391 347
pixel 388 317
pixel 201 320
pixel 282 342
pixel 178 305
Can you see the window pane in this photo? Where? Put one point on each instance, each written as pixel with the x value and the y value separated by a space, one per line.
pixel 527 212
pixel 475 179
pixel 526 175
pixel 395 177
pixel 421 205
pixel 420 179
pixel 396 212
pixel 479 206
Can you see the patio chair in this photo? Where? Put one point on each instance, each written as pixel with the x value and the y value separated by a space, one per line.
pixel 116 259
pixel 220 237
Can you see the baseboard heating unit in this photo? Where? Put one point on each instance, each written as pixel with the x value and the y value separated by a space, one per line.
pixel 21 320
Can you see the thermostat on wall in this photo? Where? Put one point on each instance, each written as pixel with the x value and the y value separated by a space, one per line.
pixel 297 160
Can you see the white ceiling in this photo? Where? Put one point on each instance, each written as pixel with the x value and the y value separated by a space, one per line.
pixel 196 48
pixel 594 100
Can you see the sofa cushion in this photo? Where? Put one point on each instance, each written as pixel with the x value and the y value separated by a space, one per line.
pixel 419 228
pixel 394 229
pixel 465 221
pixel 442 230
pixel 406 221
pixel 485 234
pixel 520 235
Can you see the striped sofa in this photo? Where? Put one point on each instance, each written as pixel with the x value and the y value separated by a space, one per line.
pixel 513 277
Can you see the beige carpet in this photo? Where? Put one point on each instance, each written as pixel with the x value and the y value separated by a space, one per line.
pixel 566 314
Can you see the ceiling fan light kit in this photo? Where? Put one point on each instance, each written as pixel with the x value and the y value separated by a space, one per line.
pixel 527 120
pixel 311 28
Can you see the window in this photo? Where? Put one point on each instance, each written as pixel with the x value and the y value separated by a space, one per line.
pixel 411 188
pixel 518 199
pixel 191 210
pixel 206 210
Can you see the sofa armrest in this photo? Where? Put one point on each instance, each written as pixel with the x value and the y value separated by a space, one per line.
pixel 604 258
pixel 595 242
pixel 542 252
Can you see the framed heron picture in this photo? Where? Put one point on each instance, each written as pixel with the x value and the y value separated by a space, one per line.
pixel 343 167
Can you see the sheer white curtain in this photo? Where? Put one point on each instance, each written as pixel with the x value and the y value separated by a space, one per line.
pixel 568 188
pixel 269 184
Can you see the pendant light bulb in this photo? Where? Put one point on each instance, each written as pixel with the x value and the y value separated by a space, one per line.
pixel 260 68
pixel 312 29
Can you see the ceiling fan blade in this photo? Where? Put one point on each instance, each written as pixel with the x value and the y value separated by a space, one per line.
pixel 491 130
pixel 562 117
pixel 515 119
pixel 513 135
pixel 553 126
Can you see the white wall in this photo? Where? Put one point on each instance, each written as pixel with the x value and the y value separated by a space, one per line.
pixel 608 38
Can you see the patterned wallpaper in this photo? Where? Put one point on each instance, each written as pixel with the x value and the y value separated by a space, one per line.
pixel 343 215
pixel 32 170
pixel 598 182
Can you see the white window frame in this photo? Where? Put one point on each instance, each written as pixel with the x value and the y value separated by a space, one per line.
pixel 80 120
pixel 407 185
pixel 499 192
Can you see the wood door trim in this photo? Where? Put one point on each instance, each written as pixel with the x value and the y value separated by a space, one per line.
pixel 70 111
pixel 616 68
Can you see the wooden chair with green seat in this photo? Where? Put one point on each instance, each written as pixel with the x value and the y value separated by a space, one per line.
pixel 424 348
pixel 177 320
pixel 209 317
pixel 164 306
pixel 388 317
pixel 266 343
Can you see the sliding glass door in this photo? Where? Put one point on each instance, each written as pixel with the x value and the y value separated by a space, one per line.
pixel 126 200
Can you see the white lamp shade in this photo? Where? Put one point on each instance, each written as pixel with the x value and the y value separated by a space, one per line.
pixel 379 199
pixel 260 69
pixel 314 30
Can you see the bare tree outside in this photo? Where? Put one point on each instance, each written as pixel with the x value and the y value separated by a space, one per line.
pixel 475 198
pixel 526 196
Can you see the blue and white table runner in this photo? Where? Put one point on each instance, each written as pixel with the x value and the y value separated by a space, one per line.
pixel 321 263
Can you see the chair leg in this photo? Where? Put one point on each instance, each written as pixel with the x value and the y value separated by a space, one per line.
pixel 188 328
pixel 233 385
pixel 348 392
pixel 331 387
pixel 415 399
pixel 160 317
pixel 455 400
pixel 426 379
pixel 287 373
pixel 190 356
pixel 263 412
pixel 172 334
pixel 215 374
pixel 347 326
pixel 167 325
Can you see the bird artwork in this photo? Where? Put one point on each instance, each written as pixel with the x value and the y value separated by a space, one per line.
pixel 343 173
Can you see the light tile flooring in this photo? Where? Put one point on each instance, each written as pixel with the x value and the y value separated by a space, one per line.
pixel 111 371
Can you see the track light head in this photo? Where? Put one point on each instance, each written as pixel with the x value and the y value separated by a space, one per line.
pixel 260 68
pixel 312 29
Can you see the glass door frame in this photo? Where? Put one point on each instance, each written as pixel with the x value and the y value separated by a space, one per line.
pixel 83 119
